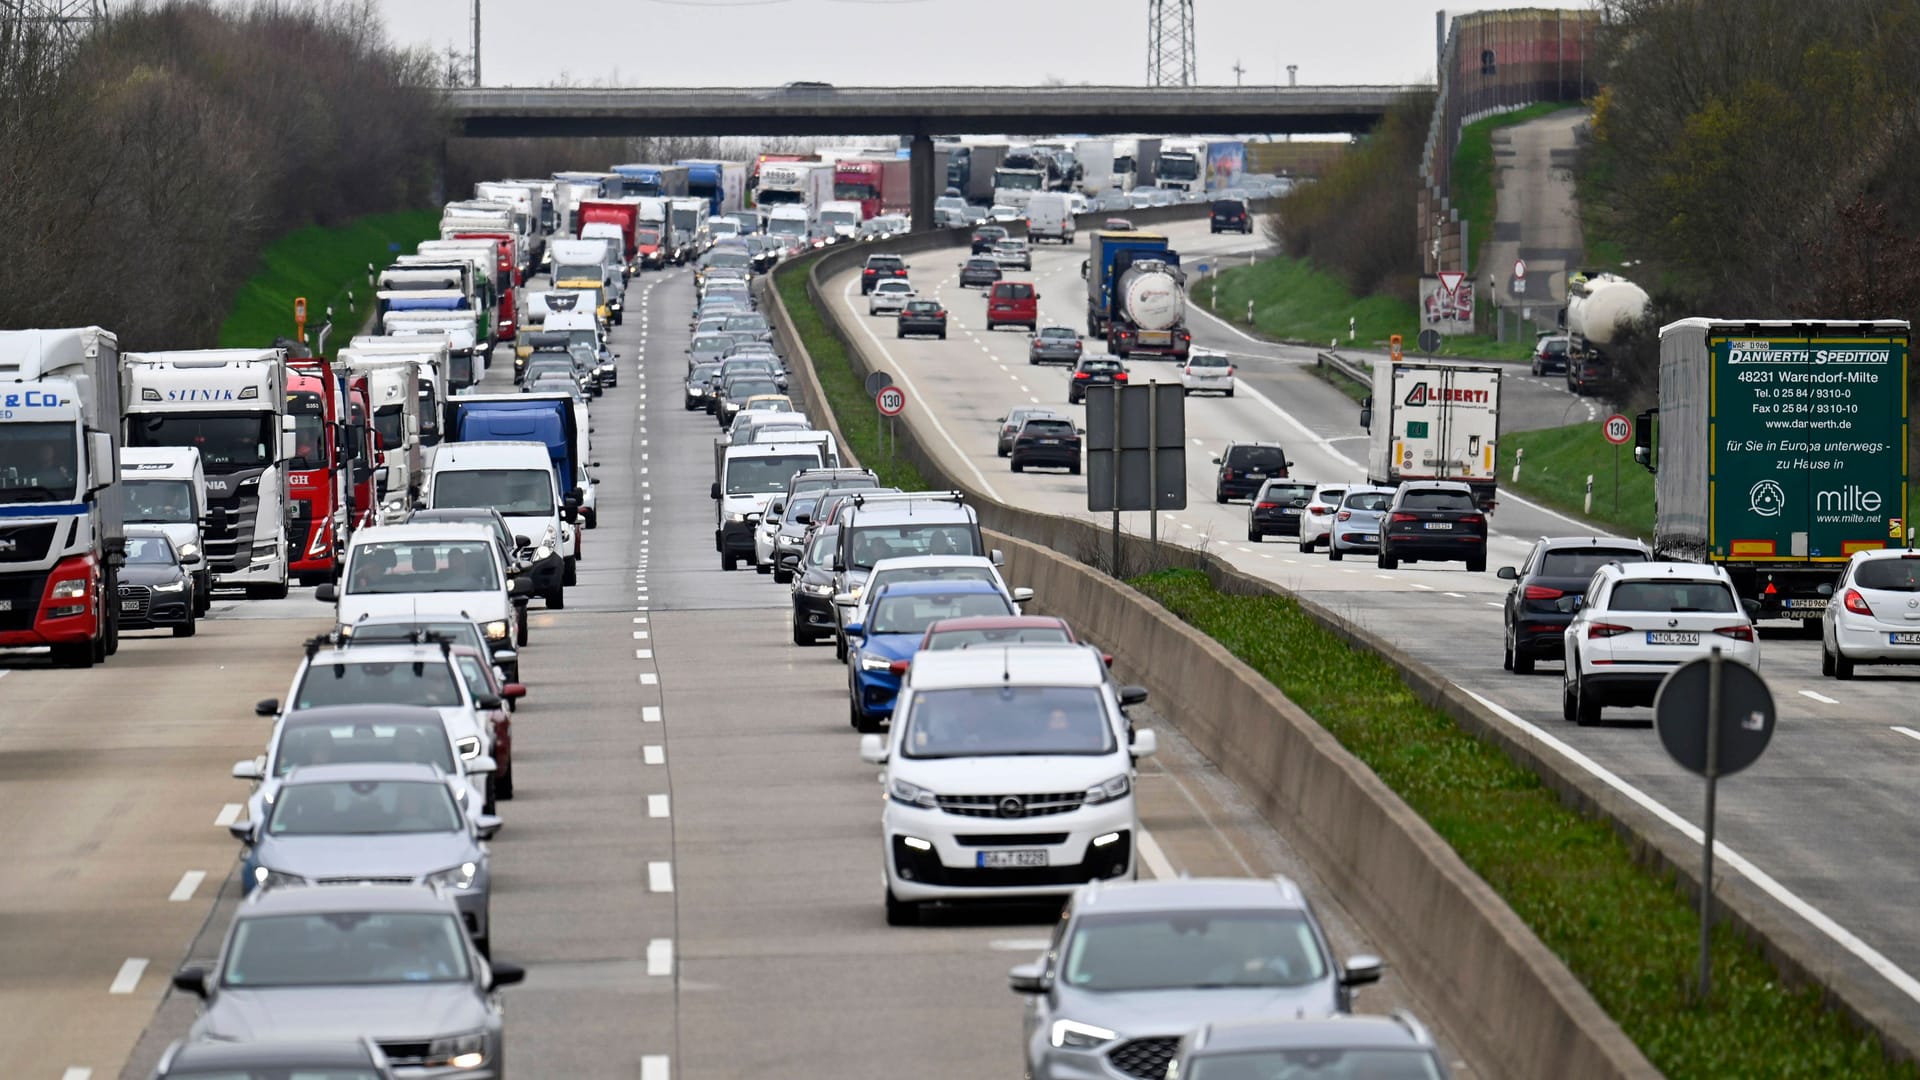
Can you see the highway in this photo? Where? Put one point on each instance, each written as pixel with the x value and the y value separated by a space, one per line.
pixel 1818 816
pixel 690 871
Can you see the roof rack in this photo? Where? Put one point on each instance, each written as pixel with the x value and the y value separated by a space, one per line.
pixel 860 499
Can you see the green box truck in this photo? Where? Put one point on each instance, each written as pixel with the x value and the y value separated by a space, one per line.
pixel 1779 449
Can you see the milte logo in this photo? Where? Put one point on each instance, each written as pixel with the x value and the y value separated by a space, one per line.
pixel 1420 395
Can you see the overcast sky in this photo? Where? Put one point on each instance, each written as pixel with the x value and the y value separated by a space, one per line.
pixel 921 42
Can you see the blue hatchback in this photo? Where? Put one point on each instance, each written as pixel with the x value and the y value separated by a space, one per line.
pixel 897 618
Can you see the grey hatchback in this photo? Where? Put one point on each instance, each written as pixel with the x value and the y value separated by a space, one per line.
pixel 980 270
pixel 1132 966
pixel 1055 345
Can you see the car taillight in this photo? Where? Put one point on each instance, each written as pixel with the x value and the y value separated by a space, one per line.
pixel 1319 511
pixel 1266 506
pixel 1081 375
pixel 1119 376
pixel 1607 630
pixel 1344 515
pixel 1398 519
pixel 1473 519
pixel 1742 632
pixel 1854 602
pixel 1541 592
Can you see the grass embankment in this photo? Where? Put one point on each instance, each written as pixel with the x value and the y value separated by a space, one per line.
pixel 1554 471
pixel 322 265
pixel 845 391
pixel 1294 301
pixel 1471 186
pixel 1626 932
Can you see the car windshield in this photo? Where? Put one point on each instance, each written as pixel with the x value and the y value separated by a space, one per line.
pixel 229 1072
pixel 363 808
pixel 1331 496
pixel 983 264
pixel 927 306
pixel 1583 562
pixel 753 322
pixel 758 475
pixel 742 389
pixel 893 287
pixel 1900 573
pixel 996 721
pixel 1437 500
pixel 407 566
pixel 150 550
pixel 1100 367
pixel 702 373
pixel 1208 361
pixel 1368 500
pixel 1017 291
pixel 227 441
pixel 158 501
pixel 387 683
pixel 1674 595
pixel 712 343
pixel 513 492
pixel 913 614
pixel 1319 1063
pixel 1256 458
pixel 406 741
pixel 400 633
pixel 876 542
pixel 1167 950
pixel 1013 635
pixel 894 575
pixel 348 948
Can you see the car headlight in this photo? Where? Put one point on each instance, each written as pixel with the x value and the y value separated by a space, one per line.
pixel 1109 790
pixel 496 630
pixel 819 590
pixel 469 747
pixel 735 519
pixel 468 1051
pixel 189 551
pixel 264 878
pixel 544 551
pixel 911 794
pixel 786 540
pixel 874 663
pixel 456 877
pixel 1075 1035
pixel 178 586
pixel 70 588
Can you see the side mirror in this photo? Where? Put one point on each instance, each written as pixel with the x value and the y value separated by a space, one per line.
pixel 1132 695
pixel 249 770
pixel 1028 979
pixel 326 592
pixel 267 707
pixel 1145 743
pixel 845 599
pixel 505 974
pixel 513 691
pixel 1567 604
pixel 489 702
pixel 481 765
pixel 243 831
pixel 505 656
pixel 1366 419
pixel 1360 970
pixel 714 492
pixel 1022 594
pixel 854 629
pixel 1507 573
pixel 1752 608
pixel 997 557
pixel 873 749
pixel 1216 459
pixel 486 826
pixel 193 980
pixel 519 587
pixel 803 518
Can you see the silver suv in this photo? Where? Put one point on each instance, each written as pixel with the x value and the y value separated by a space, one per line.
pixel 1133 966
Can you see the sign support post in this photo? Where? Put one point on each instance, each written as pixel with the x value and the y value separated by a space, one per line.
pixel 1153 469
pixel 1715 673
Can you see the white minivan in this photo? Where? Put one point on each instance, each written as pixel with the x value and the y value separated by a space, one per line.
pixel 1050 217
pixel 427 570
pixel 517 479
pixel 1009 774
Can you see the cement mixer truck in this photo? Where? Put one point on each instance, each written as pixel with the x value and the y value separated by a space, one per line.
pixel 1599 307
pixel 1136 295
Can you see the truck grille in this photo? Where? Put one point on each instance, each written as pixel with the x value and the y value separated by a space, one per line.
pixel 26 543
pixel 1002 806
pixel 1144 1058
pixel 20 599
pixel 229 538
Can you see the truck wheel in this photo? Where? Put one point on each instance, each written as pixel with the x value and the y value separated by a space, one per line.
pixel 570 572
pixel 75 656
pixel 267 592
pixel 728 562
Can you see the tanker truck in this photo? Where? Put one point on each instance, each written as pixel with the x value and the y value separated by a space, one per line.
pixel 1136 295
pixel 1599 307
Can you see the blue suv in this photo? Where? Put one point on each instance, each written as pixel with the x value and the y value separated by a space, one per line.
pixel 897 618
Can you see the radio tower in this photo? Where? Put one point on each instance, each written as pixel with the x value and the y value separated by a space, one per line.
pixel 1170 43
pixel 65 22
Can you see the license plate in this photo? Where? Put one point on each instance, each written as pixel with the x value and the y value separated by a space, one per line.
pixel 1288 513
pixel 1903 639
pixel 129 605
pixel 1256 476
pixel 6 605
pixel 1673 637
pixel 1439 524
pixel 1818 604
pixel 1370 537
pixel 1007 860
pixel 1155 337
pixel 1049 442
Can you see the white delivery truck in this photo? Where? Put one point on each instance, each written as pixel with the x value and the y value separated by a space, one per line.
pixel 838 220
pixel 166 487
pixel 1050 217
pixel 467 355
pixel 393 396
pixel 1432 421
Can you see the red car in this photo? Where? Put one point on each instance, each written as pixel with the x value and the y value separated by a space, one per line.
pixel 1013 302
pixel 483 682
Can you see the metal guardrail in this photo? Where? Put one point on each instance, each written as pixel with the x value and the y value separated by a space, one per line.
pixel 1332 361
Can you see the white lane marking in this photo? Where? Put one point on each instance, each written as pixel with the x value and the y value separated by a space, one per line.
pixel 228 814
pixel 1157 862
pixel 189 883
pixel 639 619
pixel 650 714
pixel 659 877
pixel 129 976
pixel 648 678
pixel 653 755
pixel 1417 585
pixel 1455 595
pixel 642 607
pixel 653 1067
pixel 660 956
pixel 1819 697
pixel 1907 731
pixel 906 379
pixel 658 807
pixel 1493 603
pixel 1865 953
pixel 4 672
pixel 1030 944
pixel 75 1072
pixel 643 654
pixel 1384 577
pixel 639 635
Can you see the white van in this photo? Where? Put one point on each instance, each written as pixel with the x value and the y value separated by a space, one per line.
pixel 785 435
pixel 517 479
pixel 1050 217
pixel 167 486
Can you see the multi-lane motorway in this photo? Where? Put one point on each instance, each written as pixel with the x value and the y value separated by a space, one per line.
pixel 1824 815
pixel 690 871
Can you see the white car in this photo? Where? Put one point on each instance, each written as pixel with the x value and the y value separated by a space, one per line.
pixel 1637 622
pixel 1316 524
pixel 888 297
pixel 438 568
pixel 1207 373
pixel 1874 614
pixel 926 568
pixel 1003 212
pixel 1025 744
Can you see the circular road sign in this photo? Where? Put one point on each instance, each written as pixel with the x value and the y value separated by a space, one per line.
pixel 1519 268
pixel 1746 716
pixel 878 381
pixel 890 401
pixel 1618 429
pixel 1429 341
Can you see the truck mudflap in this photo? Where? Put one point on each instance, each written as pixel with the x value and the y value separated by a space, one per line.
pixel 1796 591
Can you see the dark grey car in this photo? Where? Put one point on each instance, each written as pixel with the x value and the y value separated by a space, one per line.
pixel 708 347
pixel 389 962
pixel 980 270
pixel 1011 423
pixel 355 1059
pixel 156 590
pixel 699 382
pixel 1396 1046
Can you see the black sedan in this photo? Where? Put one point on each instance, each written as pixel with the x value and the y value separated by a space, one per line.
pixel 986 236
pixel 1055 345
pixel 1433 521
pixel 1047 442
pixel 1276 509
pixel 923 317
pixel 1094 371
pixel 155 589
pixel 1558 567
pixel 981 271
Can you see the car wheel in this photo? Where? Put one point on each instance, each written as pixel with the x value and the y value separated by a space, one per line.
pixel 762 568
pixel 1386 561
pixel 1229 393
pixel 1842 667
pixel 801 636
pixel 186 629
pixel 781 577
pixel 728 561
pixel 1477 566
pixel 901 912
pixel 1254 536
pixel 520 630
pixel 1567 710
pixel 1333 552
pixel 487 803
pixel 1220 496
pixel 570 571
pixel 1506 650
pixel 1074 469
pixel 1826 660
pixel 839 648
pixel 1586 706
pixel 503 788
pixel 943 335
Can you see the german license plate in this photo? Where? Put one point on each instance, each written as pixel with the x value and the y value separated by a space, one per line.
pixel 1011 860
pixel 1439 524
pixel 1903 639
pixel 1815 604
pixel 1288 511
pixel 129 605
pixel 1156 337
pixel 1673 637
pixel 6 605
pixel 1370 537
pixel 1049 442
pixel 1256 476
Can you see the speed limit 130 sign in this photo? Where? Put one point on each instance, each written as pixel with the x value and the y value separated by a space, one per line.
pixel 890 401
pixel 1618 429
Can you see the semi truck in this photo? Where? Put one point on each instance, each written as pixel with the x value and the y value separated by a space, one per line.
pixel 1600 308
pixel 317 473
pixel 805 184
pixel 466 352
pixel 1135 161
pixel 489 261
pixel 879 185
pixel 1432 421
pixel 1779 448
pixel 1183 165
pixel 722 183
pixel 1096 165
pixel 393 405
pixel 1136 296
pixel 970 169
pixel 653 181
pixel 759 166
pixel 62 506
pixel 1017 187
pixel 232 405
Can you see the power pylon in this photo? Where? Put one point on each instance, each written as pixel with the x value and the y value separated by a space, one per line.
pixel 66 21
pixel 1170 43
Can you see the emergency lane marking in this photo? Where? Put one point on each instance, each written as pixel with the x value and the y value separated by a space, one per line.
pixel 650 714
pixel 189 883
pixel 639 619
pixel 1819 697
pixel 653 1067
pixel 228 814
pixel 658 807
pixel 659 877
pixel 653 754
pixel 1907 731
pixel 1157 862
pixel 660 956
pixel 639 635
pixel 129 976
pixel 75 1072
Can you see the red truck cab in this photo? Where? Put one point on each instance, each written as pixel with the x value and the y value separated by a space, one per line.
pixel 311 475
